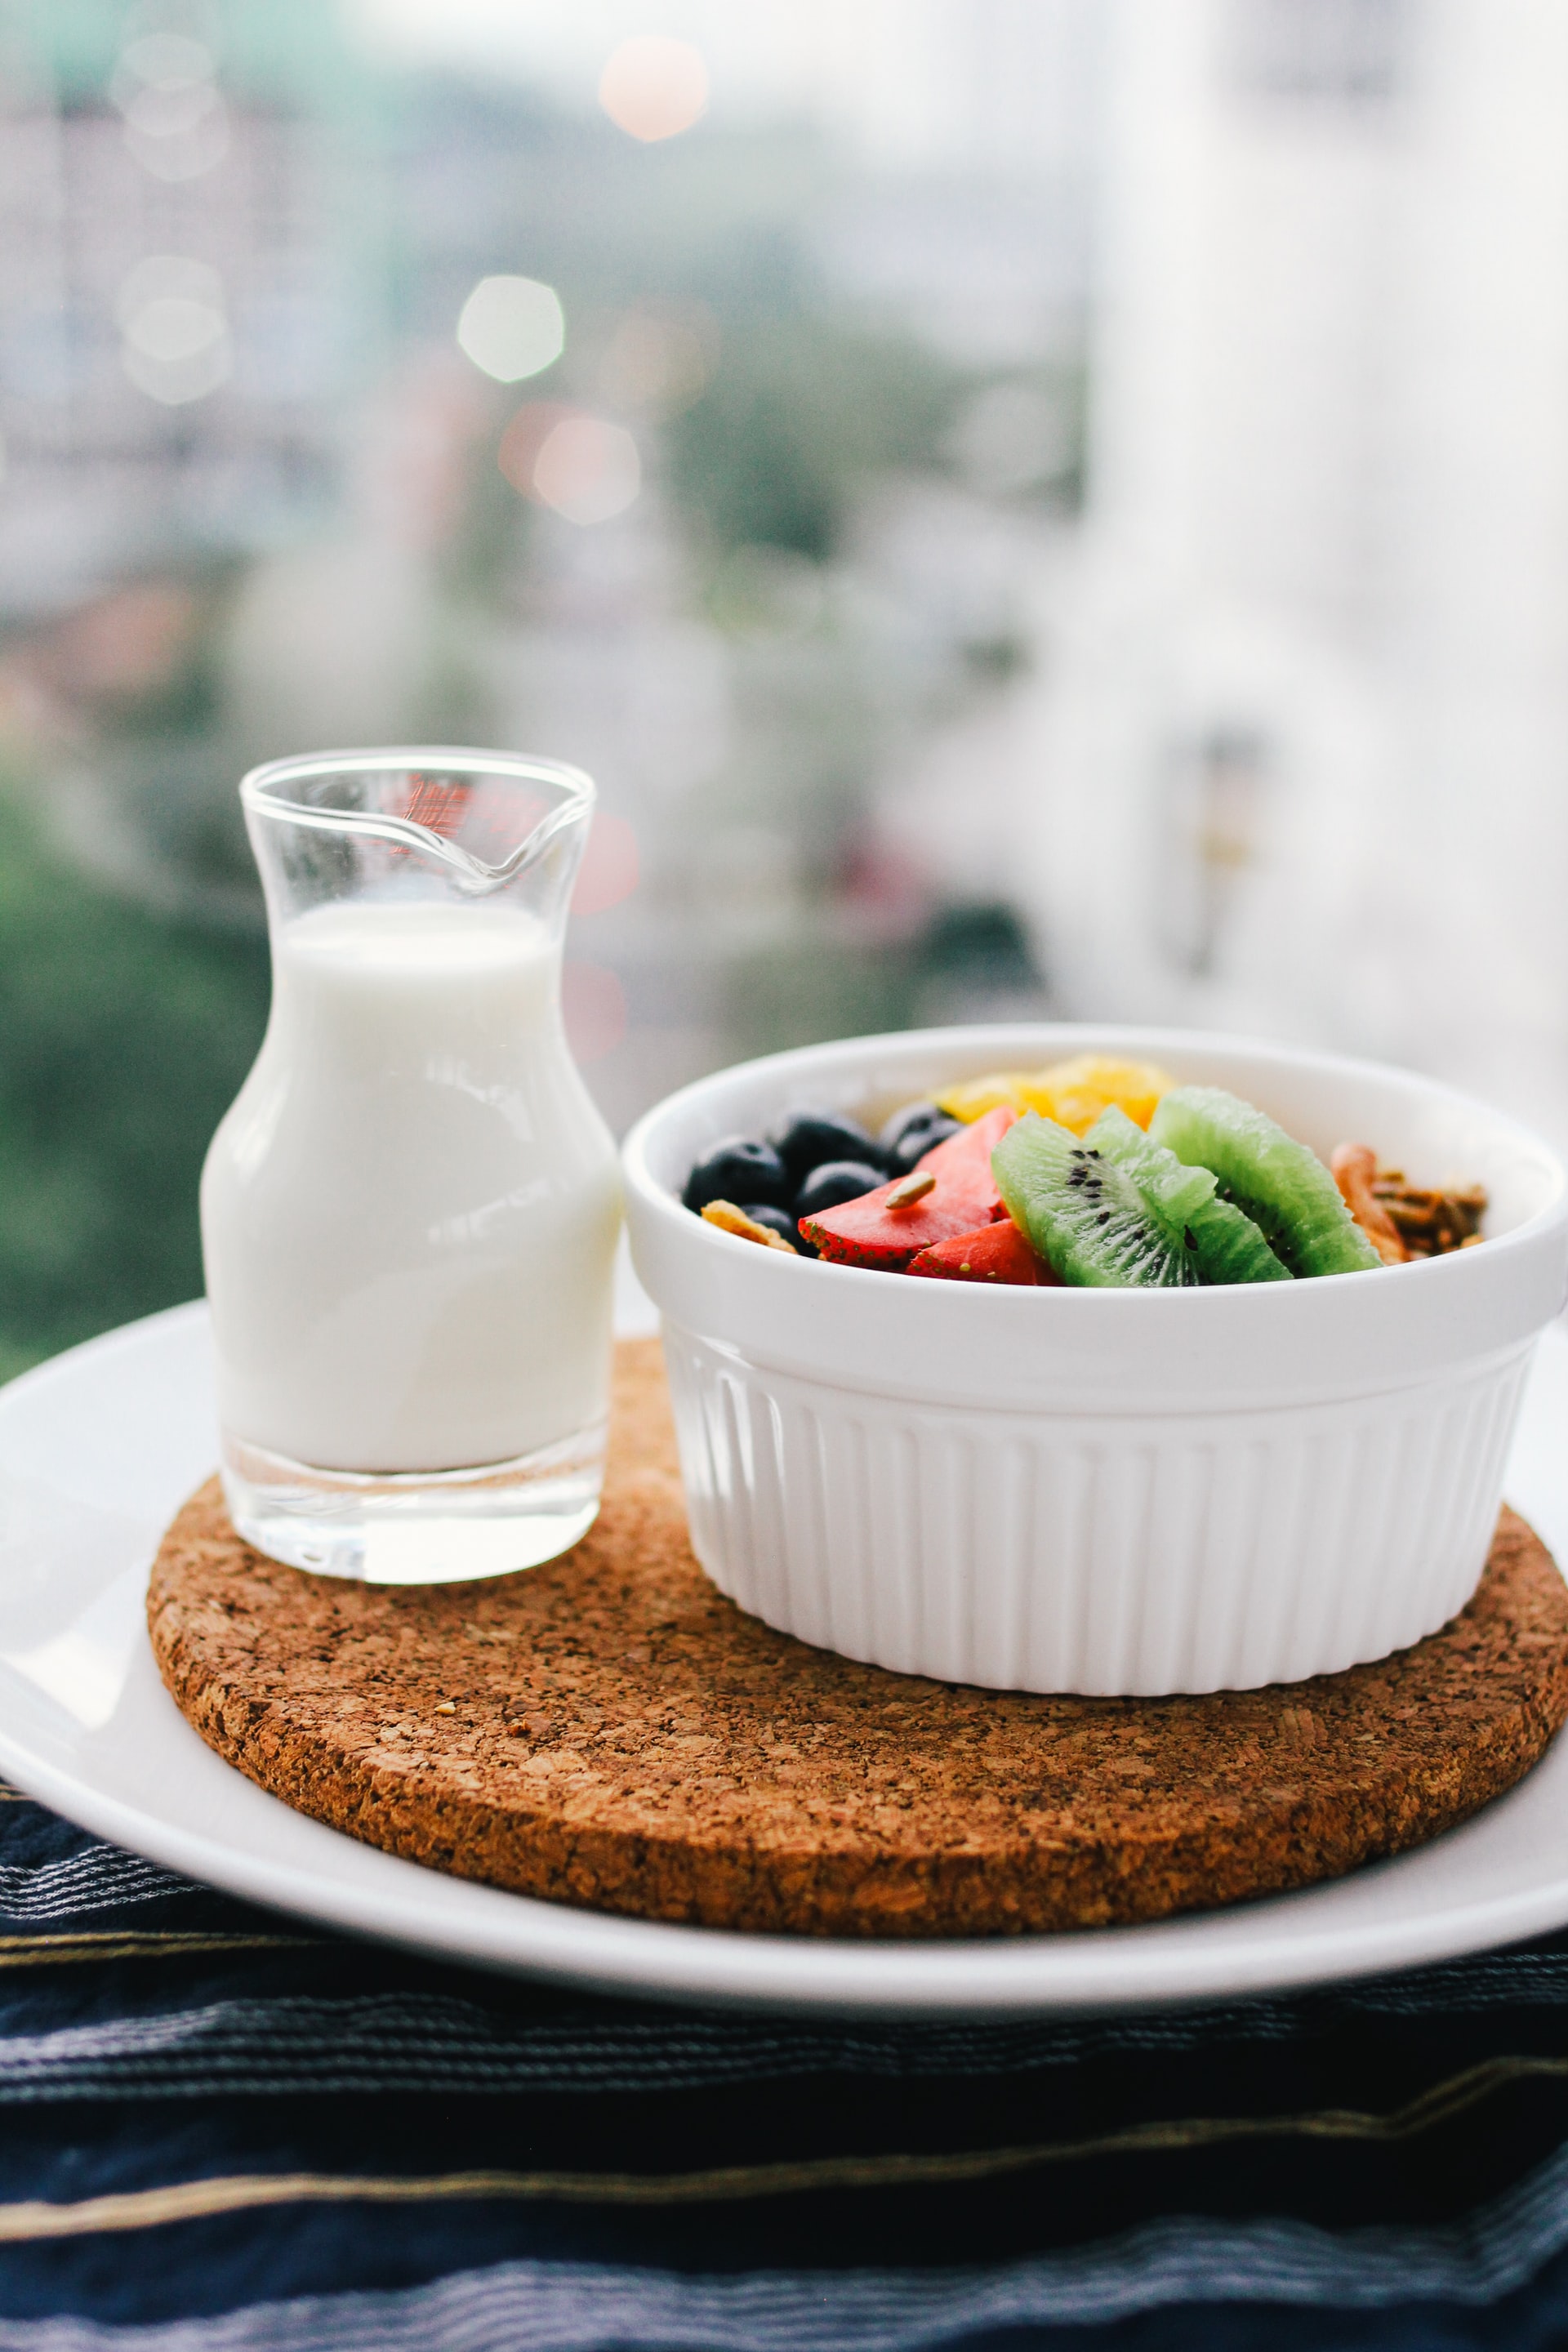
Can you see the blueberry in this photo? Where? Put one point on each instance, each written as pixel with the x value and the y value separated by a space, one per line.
pixel 913 1131
pixel 835 1181
pixel 777 1221
pixel 914 1114
pixel 739 1169
pixel 810 1137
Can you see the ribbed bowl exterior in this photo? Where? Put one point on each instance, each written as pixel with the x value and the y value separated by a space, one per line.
pixel 1106 1491
pixel 1138 1555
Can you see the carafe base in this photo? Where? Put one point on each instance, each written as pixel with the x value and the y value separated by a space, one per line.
pixel 440 1527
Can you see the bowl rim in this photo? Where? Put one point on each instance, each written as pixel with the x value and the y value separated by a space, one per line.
pixel 653 1195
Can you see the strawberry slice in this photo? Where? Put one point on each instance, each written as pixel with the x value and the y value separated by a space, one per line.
pixel 975 1142
pixel 867 1232
pixel 995 1253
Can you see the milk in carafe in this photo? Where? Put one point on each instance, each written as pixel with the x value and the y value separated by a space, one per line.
pixel 409 1214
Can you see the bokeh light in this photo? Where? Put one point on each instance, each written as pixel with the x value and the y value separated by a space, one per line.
pixel 583 467
pixel 176 344
pixel 512 328
pixel 176 124
pixel 588 470
pixel 592 1010
pixel 525 437
pixel 610 869
pixel 654 87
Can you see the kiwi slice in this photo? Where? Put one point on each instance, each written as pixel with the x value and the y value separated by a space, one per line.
pixel 1087 1216
pixel 1284 1188
pixel 1225 1242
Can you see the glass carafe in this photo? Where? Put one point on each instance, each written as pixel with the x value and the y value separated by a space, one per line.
pixel 410 1214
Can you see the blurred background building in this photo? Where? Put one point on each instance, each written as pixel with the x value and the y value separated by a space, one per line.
pixel 1022 504
pixel 1309 699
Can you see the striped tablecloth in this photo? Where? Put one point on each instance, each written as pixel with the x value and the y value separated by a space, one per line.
pixel 222 2130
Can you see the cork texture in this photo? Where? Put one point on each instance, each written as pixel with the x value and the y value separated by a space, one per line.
pixel 610 1731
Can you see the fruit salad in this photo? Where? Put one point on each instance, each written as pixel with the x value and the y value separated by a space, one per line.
pixel 1092 1174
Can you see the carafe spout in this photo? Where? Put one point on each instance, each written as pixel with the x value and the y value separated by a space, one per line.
pixel 373 824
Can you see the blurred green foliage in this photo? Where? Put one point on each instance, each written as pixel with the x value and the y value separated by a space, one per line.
pixel 123 1037
pixel 801 994
pixel 800 412
pixel 830 984
pixel 981 943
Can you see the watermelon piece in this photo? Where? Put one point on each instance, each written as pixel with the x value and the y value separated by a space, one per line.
pixel 998 1253
pixel 866 1232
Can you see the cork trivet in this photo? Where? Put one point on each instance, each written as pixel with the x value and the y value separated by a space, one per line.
pixel 609 1730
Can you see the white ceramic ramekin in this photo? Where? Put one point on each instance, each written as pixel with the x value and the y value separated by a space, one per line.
pixel 1111 1491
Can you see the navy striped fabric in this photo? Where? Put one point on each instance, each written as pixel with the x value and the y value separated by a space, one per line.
pixel 220 2130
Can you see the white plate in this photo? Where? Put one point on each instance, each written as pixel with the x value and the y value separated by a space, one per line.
pixel 98 1448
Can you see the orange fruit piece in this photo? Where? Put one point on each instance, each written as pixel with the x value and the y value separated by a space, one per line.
pixel 1073 1093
